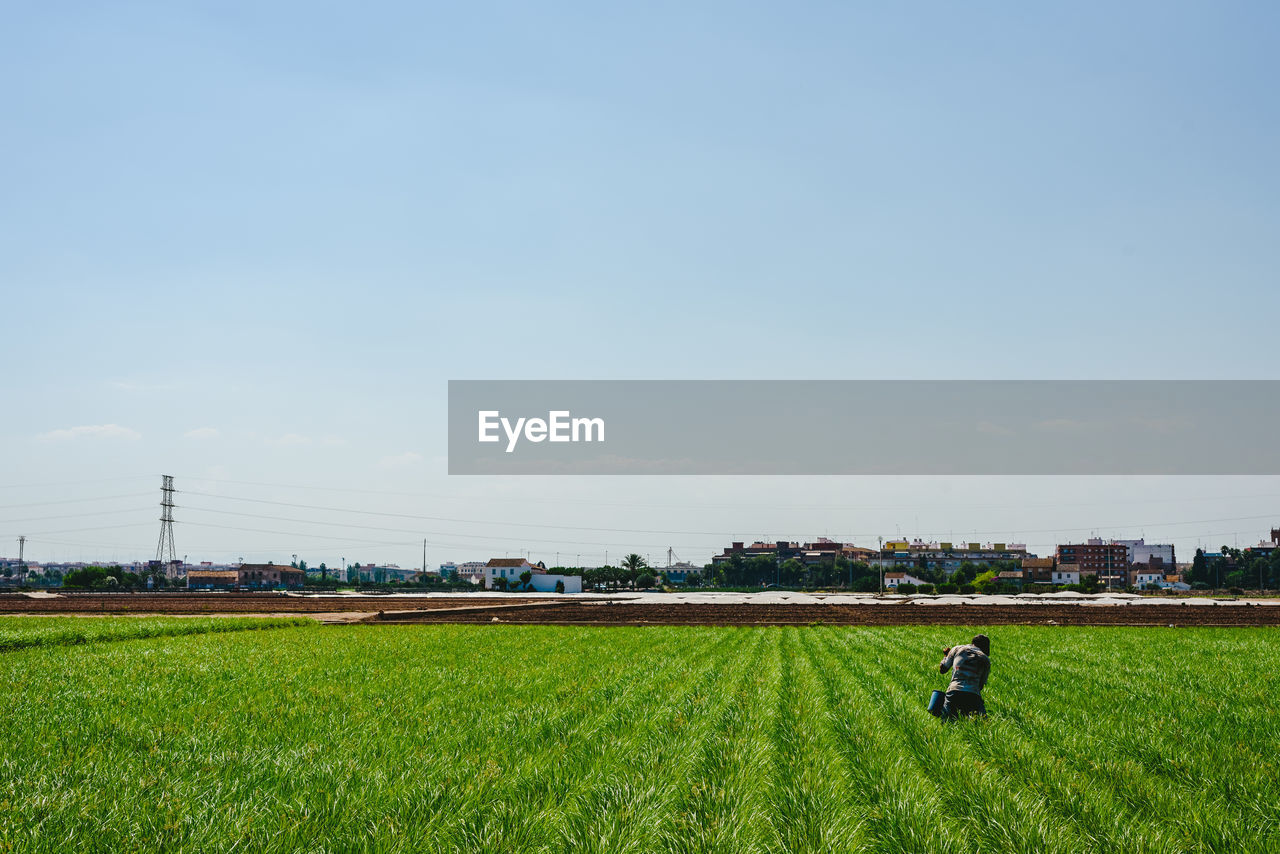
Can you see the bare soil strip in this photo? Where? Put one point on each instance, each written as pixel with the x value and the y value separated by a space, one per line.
pixel 640 614
pixel 223 603
pixel 624 612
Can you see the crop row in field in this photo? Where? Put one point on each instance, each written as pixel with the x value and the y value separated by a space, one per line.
pixel 456 738
pixel 23 632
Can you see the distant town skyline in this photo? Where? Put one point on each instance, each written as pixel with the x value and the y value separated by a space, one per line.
pixel 372 527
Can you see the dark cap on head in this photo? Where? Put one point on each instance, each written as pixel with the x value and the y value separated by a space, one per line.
pixel 983 643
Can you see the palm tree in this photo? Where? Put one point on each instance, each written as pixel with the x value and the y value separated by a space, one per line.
pixel 632 564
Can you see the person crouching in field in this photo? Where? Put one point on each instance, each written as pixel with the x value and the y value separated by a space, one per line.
pixel 972 665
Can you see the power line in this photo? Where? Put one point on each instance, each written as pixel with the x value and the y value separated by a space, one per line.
pixel 98 528
pixel 26 504
pixel 483 537
pixel 1001 532
pixel 738 506
pixel 73 482
pixel 456 521
pixel 291 534
pixel 75 515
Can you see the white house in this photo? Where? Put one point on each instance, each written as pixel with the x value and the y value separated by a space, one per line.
pixel 510 568
pixel 1142 577
pixel 1062 574
pixel 893 579
pixel 545 582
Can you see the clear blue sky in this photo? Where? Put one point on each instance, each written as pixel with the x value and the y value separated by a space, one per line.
pixel 252 242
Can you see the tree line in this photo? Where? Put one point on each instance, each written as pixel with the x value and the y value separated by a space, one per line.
pixel 1235 568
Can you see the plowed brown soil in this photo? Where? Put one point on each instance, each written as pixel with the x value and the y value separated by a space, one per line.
pixel 509 609
pixel 220 603
pixel 633 614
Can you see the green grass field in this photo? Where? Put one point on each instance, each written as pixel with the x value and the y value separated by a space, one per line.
pixel 507 739
pixel 24 632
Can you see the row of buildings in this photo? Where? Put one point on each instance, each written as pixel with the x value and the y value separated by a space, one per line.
pixel 1116 563
pixel 247 576
pixel 497 573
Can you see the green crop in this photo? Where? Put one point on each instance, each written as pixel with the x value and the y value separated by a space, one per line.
pixel 23 632
pixel 510 739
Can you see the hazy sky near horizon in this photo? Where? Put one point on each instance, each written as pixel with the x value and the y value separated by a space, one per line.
pixel 249 244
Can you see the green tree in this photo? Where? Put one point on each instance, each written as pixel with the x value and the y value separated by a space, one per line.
pixel 791 572
pixel 761 569
pixel 732 573
pixel 95 576
pixel 644 579
pixel 633 563
pixel 713 574
pixel 1199 569
pixel 525 578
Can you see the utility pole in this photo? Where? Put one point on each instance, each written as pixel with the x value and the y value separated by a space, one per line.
pixel 22 563
pixel 881 541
